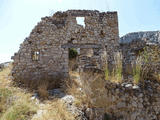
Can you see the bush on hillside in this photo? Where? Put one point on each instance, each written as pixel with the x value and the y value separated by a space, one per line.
pixel 148 64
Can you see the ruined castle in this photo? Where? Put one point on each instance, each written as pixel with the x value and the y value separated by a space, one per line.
pixel 46 53
pixel 46 50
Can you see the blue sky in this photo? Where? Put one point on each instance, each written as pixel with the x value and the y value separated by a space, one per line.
pixel 18 17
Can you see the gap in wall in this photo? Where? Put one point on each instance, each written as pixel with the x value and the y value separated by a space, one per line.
pixel 80 21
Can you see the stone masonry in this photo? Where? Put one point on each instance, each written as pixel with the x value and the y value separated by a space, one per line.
pixel 132 44
pixel 45 51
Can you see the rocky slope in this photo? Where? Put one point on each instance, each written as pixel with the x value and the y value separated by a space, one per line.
pixel 4 65
pixel 149 36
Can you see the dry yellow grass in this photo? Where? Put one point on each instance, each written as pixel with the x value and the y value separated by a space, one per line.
pixel 74 89
pixel 150 63
pixel 115 75
pixel 90 92
pixel 54 110
pixel 16 103
pixel 157 76
pixel 23 108
pixel 42 90
pixel 4 77
pixel 80 97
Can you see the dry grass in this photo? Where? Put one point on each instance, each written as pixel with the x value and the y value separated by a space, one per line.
pixel 25 80
pixel 5 94
pixel 4 74
pixel 115 75
pixel 93 87
pixel 80 98
pixel 73 87
pixel 90 92
pixel 42 90
pixel 21 109
pixel 55 110
pixel 147 65
pixel 73 65
pixel 15 102
pixel 137 68
pixel 157 77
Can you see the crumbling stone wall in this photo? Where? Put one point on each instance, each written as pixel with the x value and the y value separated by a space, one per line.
pixel 132 102
pixel 45 51
pixel 132 45
pixel 127 102
pixel 130 52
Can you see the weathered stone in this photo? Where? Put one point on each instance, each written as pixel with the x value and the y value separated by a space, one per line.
pixel 45 51
pixel 133 44
pixel 133 104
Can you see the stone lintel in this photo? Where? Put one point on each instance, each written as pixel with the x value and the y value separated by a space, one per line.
pixel 69 45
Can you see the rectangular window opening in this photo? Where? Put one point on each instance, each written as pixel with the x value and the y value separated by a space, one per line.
pixel 80 21
pixel 35 55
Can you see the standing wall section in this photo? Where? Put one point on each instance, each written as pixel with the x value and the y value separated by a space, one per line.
pixel 50 35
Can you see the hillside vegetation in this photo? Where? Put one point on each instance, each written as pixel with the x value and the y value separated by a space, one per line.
pixel 19 104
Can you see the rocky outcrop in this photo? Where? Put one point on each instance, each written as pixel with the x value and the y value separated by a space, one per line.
pixel 4 65
pixel 150 37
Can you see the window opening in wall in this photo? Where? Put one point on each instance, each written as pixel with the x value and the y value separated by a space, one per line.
pixel 80 21
pixel 35 55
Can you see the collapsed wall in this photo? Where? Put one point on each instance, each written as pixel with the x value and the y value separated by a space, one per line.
pixel 133 44
pixel 108 100
pixel 132 102
pixel 126 102
pixel 44 54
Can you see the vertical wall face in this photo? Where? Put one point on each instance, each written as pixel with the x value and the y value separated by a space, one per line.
pixel 45 51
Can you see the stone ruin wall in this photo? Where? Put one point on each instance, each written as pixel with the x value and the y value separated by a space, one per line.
pixel 129 102
pixel 53 36
pixel 131 51
pixel 122 101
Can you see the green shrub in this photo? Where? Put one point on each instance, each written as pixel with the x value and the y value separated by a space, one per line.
pixel 72 53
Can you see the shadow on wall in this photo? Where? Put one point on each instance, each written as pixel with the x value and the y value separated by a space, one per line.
pixel 49 81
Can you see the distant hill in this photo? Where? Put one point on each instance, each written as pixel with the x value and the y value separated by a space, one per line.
pixel 3 65
pixel 150 36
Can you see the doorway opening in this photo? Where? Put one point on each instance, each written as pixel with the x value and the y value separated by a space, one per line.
pixel 73 58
